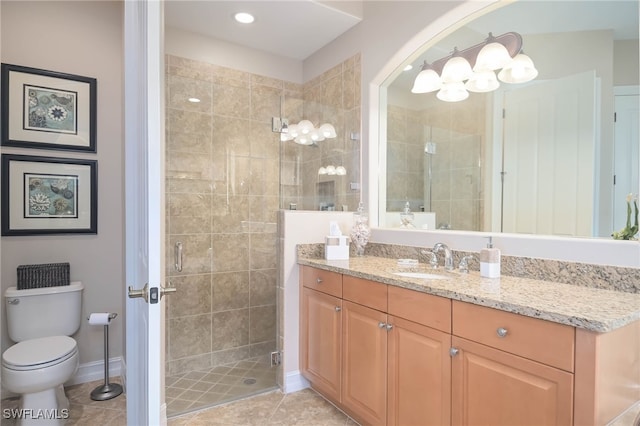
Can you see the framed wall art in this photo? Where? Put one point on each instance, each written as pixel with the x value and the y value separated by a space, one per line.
pixel 48 109
pixel 48 195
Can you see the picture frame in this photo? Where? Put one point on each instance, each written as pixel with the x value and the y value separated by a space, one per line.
pixel 47 109
pixel 48 195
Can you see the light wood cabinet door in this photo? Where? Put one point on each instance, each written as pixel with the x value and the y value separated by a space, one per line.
pixel 321 341
pixel 419 375
pixel 364 378
pixel 492 387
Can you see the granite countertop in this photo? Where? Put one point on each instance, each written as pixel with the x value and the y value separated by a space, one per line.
pixel 583 307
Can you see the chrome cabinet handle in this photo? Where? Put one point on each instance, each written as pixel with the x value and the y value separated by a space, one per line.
pixel 178 256
pixel 389 327
pixel 318 280
pixel 501 332
pixel 13 301
pixel 454 351
pixel 338 308
pixel 382 324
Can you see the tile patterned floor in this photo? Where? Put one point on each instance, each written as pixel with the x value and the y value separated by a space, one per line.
pixel 303 408
pixel 82 409
pixel 200 389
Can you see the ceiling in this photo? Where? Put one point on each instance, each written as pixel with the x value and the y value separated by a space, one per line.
pixel 294 28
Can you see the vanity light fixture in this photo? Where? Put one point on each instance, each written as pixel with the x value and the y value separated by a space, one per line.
pixel 194 100
pixel 332 170
pixel 304 133
pixel 474 69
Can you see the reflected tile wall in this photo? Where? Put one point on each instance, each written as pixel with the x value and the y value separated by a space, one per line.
pixel 222 172
pixel 332 97
pixel 456 172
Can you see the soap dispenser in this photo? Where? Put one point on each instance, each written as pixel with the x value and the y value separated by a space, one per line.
pixel 406 217
pixel 490 261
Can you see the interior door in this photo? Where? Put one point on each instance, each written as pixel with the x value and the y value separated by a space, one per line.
pixel 549 152
pixel 626 153
pixel 144 181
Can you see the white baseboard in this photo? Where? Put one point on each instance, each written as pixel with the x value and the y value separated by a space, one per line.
pixel 91 371
pixel 294 382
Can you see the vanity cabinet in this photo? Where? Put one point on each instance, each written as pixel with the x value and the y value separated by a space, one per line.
pixel 394 369
pixel 321 330
pixel 387 355
pixel 507 367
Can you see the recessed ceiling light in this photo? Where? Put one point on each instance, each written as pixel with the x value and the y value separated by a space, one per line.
pixel 244 18
pixel 408 68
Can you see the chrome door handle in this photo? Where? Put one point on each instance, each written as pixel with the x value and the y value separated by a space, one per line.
pixel 178 256
pixel 143 292
pixel 453 352
pixel 167 290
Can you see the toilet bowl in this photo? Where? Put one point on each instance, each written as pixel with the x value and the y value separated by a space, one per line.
pixel 40 321
pixel 37 369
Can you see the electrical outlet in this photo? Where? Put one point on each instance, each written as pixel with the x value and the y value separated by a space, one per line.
pixel 275 358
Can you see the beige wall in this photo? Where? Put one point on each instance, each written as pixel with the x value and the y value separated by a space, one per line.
pixel 83 38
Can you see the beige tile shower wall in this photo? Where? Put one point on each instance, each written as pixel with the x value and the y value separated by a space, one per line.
pixel 333 97
pixel 222 176
pixel 458 130
pixel 405 155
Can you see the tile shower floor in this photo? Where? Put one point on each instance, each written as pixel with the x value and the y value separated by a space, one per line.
pixel 196 390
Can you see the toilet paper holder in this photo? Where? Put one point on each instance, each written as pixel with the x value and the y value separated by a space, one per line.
pixel 106 390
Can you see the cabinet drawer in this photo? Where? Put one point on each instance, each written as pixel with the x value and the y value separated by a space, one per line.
pixel 425 309
pixel 321 280
pixel 539 340
pixel 365 292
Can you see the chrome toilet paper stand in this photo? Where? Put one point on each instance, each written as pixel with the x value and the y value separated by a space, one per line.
pixel 107 390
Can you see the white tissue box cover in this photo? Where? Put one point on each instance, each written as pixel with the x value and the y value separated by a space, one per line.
pixel 336 247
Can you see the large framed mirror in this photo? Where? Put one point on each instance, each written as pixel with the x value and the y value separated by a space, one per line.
pixel 545 156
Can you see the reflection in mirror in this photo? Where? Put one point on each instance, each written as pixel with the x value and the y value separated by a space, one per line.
pixel 537 157
pixel 323 174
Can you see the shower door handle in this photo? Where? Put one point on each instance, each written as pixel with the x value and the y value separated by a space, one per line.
pixel 178 256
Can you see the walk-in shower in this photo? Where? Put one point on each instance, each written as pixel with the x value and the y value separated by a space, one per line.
pixel 227 175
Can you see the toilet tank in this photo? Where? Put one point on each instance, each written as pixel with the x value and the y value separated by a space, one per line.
pixel 42 312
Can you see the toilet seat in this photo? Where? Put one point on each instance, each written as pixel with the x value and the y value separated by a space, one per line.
pixel 39 353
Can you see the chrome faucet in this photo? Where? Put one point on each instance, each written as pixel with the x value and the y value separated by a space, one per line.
pixel 448 257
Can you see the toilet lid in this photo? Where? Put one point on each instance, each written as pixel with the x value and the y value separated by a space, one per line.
pixel 35 352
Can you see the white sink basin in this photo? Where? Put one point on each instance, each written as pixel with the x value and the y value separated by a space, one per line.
pixel 422 275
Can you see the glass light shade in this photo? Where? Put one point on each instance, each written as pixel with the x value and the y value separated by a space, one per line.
pixel 316 136
pixel 305 127
pixel 491 57
pixel 453 92
pixel 457 69
pixel 481 82
pixel 303 140
pixel 328 131
pixel 293 131
pixel 284 137
pixel 331 170
pixel 520 70
pixel 426 81
pixel 341 171
pixel 322 171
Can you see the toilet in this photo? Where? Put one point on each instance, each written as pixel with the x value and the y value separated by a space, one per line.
pixel 41 321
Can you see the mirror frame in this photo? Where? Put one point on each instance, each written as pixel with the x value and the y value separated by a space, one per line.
pixel 599 251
